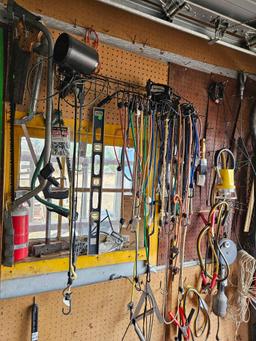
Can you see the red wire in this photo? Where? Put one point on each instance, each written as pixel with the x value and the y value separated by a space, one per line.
pixel 93 43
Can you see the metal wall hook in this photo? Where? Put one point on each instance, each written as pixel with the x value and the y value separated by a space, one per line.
pixel 67 301
pixel 67 311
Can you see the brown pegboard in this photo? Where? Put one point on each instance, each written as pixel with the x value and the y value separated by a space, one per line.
pixel 124 66
pixel 193 85
pixel 99 313
pixel 130 67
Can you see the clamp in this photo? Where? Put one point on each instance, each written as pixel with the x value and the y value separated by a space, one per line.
pixel 184 329
pixel 46 173
pixel 208 286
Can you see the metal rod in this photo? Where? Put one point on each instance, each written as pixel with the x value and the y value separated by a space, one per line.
pixel 62 183
pixel 29 143
pixel 36 86
pixel 48 226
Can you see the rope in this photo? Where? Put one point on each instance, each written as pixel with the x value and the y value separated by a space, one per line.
pixel 246 290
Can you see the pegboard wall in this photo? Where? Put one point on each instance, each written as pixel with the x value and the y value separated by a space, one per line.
pixel 193 85
pixel 99 313
pixel 121 65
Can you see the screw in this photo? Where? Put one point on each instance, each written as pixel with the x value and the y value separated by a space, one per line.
pixel 226 245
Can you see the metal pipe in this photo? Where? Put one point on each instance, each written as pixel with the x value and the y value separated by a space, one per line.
pixel 36 86
pixel 42 53
pixel 29 143
pixel 48 118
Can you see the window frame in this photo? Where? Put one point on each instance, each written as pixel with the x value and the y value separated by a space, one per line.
pixel 52 263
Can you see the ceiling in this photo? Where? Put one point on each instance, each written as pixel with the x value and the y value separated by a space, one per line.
pixel 231 22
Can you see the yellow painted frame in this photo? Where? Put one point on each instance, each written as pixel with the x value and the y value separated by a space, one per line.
pixel 32 267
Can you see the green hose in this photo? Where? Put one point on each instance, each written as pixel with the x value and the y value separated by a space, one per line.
pixel 58 209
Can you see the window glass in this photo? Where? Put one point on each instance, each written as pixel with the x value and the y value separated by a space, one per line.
pixel 111 197
pixel 112 177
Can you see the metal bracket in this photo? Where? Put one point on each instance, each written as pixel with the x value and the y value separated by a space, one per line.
pixel 96 180
pixel 172 7
pixel 250 39
pixel 221 26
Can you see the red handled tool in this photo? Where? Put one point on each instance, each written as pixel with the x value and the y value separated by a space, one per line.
pixel 184 329
pixel 208 286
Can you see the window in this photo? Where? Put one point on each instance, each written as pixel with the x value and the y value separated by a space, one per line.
pixel 112 189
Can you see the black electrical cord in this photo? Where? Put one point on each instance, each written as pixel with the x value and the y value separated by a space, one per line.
pixel 12 147
pixel 151 319
pixel 73 198
pixel 105 84
pixel 218 329
pixel 186 158
pixel 126 330
pixel 145 324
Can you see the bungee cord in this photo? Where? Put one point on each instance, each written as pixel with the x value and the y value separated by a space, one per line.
pixel 165 137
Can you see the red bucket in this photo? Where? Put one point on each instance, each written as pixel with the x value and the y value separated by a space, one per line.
pixel 20 222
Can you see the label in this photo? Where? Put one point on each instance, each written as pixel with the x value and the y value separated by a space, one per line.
pixel 60 141
pixel 99 114
pixel 20 246
pixel 34 336
pixel 200 180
